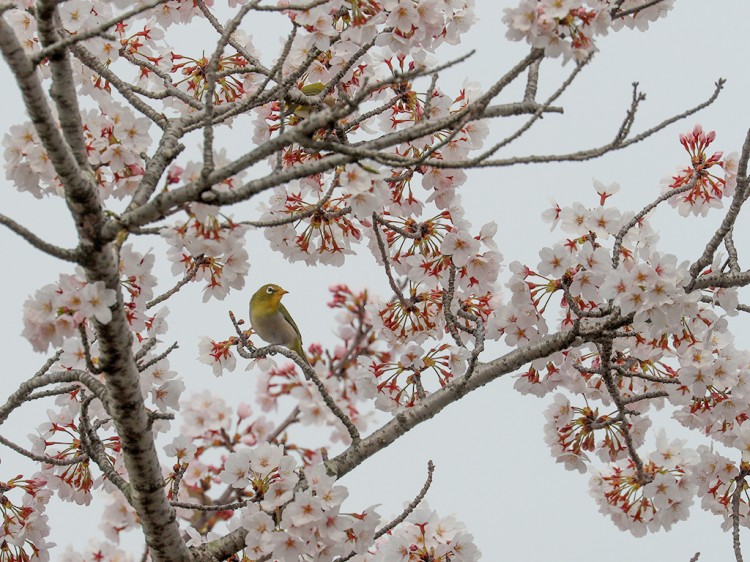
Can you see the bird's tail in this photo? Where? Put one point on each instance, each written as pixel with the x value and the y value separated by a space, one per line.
pixel 297 348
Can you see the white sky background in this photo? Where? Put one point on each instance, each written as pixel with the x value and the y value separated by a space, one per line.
pixel 492 467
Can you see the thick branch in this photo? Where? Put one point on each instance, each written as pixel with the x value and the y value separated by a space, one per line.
pixel 114 338
pixel 60 153
pixel 63 89
pixel 430 406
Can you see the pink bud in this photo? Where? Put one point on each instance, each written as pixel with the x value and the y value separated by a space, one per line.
pixel 244 410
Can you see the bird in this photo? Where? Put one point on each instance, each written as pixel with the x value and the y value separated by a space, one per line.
pixel 304 111
pixel 271 320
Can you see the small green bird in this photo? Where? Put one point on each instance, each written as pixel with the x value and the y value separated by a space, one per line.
pixel 304 111
pixel 271 320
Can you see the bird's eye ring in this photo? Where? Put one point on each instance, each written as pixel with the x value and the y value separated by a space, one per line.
pixel 270 290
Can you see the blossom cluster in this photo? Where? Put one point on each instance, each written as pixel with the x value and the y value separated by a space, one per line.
pixel 443 263
pixel 706 188
pixel 58 309
pixel 114 139
pixel 311 521
pixel 674 348
pixel 569 28
pixel 427 536
pixel 60 439
pixel 209 248
pixel 659 500
pixel 24 526
pixel 64 437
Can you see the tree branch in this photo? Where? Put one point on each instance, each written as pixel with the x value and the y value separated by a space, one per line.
pixel 453 391
pixel 38 243
pixel 38 381
pixel 590 154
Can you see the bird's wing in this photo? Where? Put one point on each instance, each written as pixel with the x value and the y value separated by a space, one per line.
pixel 288 318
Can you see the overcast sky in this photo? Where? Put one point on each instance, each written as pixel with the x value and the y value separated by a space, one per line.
pixel 492 467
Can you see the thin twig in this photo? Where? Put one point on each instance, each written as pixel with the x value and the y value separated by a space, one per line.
pixel 47 364
pixel 53 392
pixel 94 448
pixel 734 265
pixel 178 474
pixel 189 276
pixel 646 210
pixel 87 351
pixel 637 9
pixel 146 346
pixel 386 264
pixel 313 376
pixel 158 358
pixel 42 458
pixel 590 154
pixel 405 513
pixel 605 353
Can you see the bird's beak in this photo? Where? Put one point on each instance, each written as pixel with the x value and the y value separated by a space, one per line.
pixel 283 292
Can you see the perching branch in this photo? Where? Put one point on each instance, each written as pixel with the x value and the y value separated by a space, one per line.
pixel 311 375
